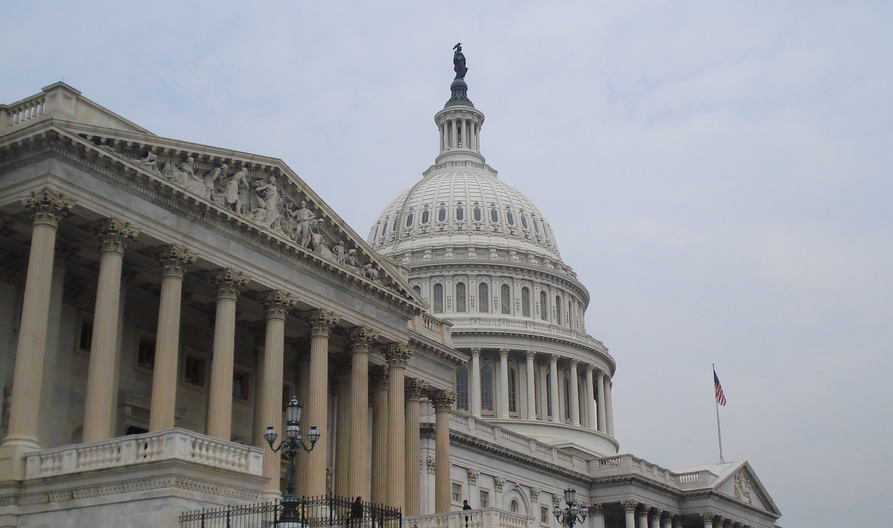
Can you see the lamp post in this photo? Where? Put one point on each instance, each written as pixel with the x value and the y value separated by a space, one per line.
pixel 573 514
pixel 290 446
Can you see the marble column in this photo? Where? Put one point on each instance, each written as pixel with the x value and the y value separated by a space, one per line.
pixel 47 209
pixel 277 303
pixel 601 403
pixel 655 518
pixel 503 401
pixel 531 387
pixel 708 517
pixel 443 402
pixel 476 382
pixel 174 259
pixel 629 509
pixel 643 516
pixel 321 323
pixel 114 236
pixel 590 400
pixel 396 355
pixel 667 520
pixel 553 377
pixel 220 395
pixel 341 436
pixel 574 381
pixel 361 339
pixel 609 408
pixel 597 514
pixel 379 388
pixel 412 396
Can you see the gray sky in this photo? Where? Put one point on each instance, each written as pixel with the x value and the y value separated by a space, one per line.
pixel 717 174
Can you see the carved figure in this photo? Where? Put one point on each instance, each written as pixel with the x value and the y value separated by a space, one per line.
pixel 150 162
pixel 209 183
pixel 233 192
pixel 319 247
pixel 351 260
pixel 370 273
pixel 183 174
pixel 304 219
pixel 269 193
pixel 338 252
pixel 459 62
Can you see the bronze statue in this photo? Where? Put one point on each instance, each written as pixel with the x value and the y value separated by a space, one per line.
pixel 459 62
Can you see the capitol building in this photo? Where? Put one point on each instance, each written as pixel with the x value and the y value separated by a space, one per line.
pixel 161 301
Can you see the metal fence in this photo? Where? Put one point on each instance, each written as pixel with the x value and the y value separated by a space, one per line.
pixel 320 511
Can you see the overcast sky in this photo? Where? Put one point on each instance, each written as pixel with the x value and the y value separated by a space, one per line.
pixel 717 174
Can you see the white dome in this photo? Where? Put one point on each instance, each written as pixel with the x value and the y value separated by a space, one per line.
pixel 463 204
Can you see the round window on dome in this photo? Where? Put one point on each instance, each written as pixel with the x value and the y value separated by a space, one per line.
pixel 494 215
pixel 510 218
pixel 425 217
pixel 441 215
pixel 460 213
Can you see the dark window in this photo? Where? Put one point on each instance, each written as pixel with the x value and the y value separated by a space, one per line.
pixel 494 215
pixel 506 295
pixel 145 354
pixel 523 222
pixel 477 214
pixel 460 297
pixel 544 306
pixel 395 224
pixel 438 298
pixel 525 302
pixel 510 218
pixel 536 226
pixel 409 220
pixel 86 336
pixel 486 389
pixel 425 217
pixel 462 389
pixel 460 213
pixel 558 310
pixel 418 290
pixel 513 389
pixel 483 297
pixel 441 214
pixel 240 385
pixel 194 370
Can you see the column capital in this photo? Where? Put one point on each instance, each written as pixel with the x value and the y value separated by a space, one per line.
pixel 229 282
pixel 443 400
pixel 588 369
pixel 414 388
pixel 553 358
pixel 397 354
pixel 114 235
pixel 278 303
pixel 48 206
pixel 531 354
pixel 361 338
pixel 708 517
pixel 476 351
pixel 174 259
pixel 597 509
pixel 630 505
pixel 322 322
pixel 503 353
pixel 473 475
pixel 573 362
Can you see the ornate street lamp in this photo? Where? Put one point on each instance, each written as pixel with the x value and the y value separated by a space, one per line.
pixel 573 514
pixel 290 444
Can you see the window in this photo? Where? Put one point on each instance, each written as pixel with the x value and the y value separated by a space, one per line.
pixel 145 352
pixel 494 215
pixel 460 297
pixel 460 213
pixel 441 215
pixel 486 388
pixel 536 226
pixel 506 295
pixel 485 499
pixel 523 222
pixel 240 385
pixel 384 227
pixel 456 493
pixel 462 389
pixel 484 298
pixel 85 333
pixel 513 390
pixel 418 290
pixel 477 214
pixel 514 506
pixel 509 218
pixel 567 399
pixel 425 217
pixel 544 515
pixel 549 394
pixel 194 370
pixel 558 310
pixel 395 224
pixel 438 298
pixel 409 220
pixel 525 302
pixel 544 306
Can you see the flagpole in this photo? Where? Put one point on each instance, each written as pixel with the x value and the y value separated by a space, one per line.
pixel 718 430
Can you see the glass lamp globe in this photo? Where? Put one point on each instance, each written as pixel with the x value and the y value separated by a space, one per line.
pixel 292 431
pixel 570 495
pixel 293 411
pixel 270 435
pixel 313 435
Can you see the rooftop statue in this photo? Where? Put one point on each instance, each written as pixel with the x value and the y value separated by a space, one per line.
pixel 459 62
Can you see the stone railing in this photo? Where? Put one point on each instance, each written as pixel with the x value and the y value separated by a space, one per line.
pixel 435 328
pixel 489 517
pixel 628 464
pixel 530 326
pixel 175 443
pixel 24 111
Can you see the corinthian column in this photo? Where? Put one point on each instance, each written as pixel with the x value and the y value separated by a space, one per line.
pixel 601 403
pixel 220 397
pixel 575 394
pixel 278 303
pixel 553 377
pixel 358 475
pixel 413 395
pixel 629 508
pixel 396 354
pixel 503 402
pixel 476 382
pixel 114 236
pixel 587 396
pixel 321 322
pixel 380 435
pixel 443 402
pixel 47 208
pixel 609 408
pixel 342 434
pixel 531 387
pixel 174 259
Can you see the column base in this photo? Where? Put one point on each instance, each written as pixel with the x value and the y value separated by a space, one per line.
pixel 12 457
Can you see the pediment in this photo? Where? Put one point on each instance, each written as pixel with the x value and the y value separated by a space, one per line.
pixel 742 484
pixel 258 194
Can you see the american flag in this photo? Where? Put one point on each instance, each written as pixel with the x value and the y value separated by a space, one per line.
pixel 717 388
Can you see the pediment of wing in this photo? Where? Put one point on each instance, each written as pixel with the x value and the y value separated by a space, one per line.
pixel 742 484
pixel 261 194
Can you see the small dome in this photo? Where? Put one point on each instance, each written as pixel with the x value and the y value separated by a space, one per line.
pixel 463 204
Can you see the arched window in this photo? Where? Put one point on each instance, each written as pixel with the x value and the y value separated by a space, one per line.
pixel 506 299
pixel 418 290
pixel 477 214
pixel 425 217
pixel 514 506
pixel 567 399
pixel 460 297
pixel 486 388
pixel 441 215
pixel 513 390
pixel 558 319
pixel 525 302
pixel 483 297
pixel 544 306
pixel 460 213
pixel 509 218
pixel 438 298
pixel 409 220
pixel 462 389
pixel 494 215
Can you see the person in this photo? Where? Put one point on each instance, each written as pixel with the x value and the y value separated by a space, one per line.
pixel 356 513
pixel 465 505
